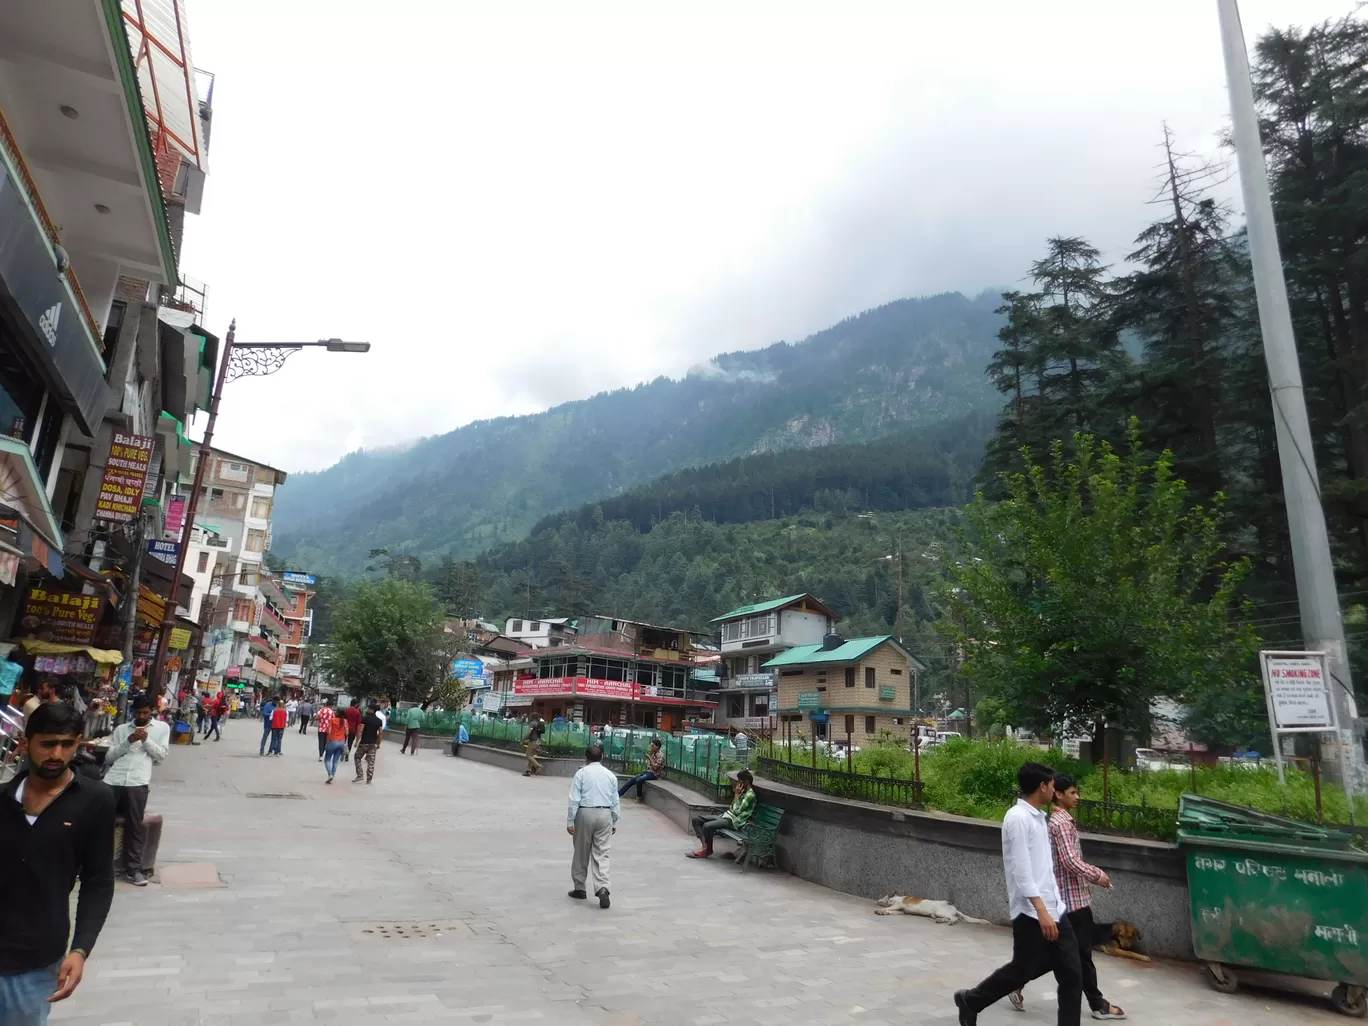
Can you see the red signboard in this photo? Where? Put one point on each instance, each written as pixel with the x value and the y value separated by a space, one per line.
pixel 594 687
pixel 125 476
pixel 175 516
pixel 64 616
pixel 544 686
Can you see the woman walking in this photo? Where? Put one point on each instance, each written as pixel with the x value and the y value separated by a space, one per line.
pixel 337 744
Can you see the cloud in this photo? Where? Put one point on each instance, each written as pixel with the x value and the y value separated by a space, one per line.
pixel 522 204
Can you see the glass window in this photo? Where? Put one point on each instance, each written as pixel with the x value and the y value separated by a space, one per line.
pixel 203 564
pixel 736 705
pixel 869 676
pixel 261 507
pixel 517 626
pixel 47 438
pixel 256 541
pixel 850 676
pixel 869 725
pixel 21 394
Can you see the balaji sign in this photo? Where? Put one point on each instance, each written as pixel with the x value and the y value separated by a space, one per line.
pixel 63 616
pixel 125 476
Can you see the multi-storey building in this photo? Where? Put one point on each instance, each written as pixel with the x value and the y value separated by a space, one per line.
pixel 619 672
pixel 862 689
pixel 549 633
pixel 748 637
pixel 256 623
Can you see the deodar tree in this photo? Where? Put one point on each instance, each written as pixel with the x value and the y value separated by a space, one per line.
pixel 1093 589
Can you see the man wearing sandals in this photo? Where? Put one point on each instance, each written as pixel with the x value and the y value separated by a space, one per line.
pixel 1074 877
pixel 735 818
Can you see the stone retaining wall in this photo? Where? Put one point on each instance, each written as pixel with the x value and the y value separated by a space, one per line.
pixel 873 850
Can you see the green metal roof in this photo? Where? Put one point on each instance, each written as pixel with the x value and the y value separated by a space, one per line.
pixel 852 651
pixel 759 607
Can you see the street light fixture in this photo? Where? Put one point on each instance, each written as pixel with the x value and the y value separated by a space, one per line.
pixel 240 360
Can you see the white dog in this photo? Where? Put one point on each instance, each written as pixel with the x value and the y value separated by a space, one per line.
pixel 941 911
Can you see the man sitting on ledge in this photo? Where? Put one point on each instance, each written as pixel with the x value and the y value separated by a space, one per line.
pixel 735 818
pixel 655 766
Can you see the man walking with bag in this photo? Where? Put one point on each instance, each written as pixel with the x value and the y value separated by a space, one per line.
pixel 592 821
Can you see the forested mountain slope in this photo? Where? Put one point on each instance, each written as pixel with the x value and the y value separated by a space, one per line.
pixel 910 362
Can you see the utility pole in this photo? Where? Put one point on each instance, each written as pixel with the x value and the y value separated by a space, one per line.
pixel 1317 597
pixel 132 590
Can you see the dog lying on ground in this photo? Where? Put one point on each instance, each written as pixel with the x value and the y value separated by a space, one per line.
pixel 1120 940
pixel 942 912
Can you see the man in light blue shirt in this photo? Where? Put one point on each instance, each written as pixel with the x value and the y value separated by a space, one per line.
pixel 592 820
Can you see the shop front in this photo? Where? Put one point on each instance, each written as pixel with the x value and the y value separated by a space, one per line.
pixel 598 702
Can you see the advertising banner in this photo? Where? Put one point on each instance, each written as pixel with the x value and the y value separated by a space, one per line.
pixel 179 638
pixel 471 672
pixel 753 680
pixel 295 577
pixel 166 551
pixel 63 616
pixel 175 516
pixel 125 476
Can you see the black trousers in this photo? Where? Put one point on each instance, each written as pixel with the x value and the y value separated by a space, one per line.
pixel 322 742
pixel 410 740
pixel 1033 956
pixel 1082 922
pixel 131 804
pixel 303 724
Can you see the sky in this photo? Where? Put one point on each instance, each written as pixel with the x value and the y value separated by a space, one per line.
pixel 519 203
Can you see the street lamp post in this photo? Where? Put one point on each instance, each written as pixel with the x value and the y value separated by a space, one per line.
pixel 240 360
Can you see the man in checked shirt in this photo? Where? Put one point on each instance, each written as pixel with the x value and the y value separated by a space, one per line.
pixel 1074 877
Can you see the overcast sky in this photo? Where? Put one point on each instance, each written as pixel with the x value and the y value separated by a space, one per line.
pixel 523 203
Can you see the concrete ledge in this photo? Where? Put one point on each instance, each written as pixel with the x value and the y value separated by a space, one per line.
pixel 873 850
pixel 551 767
pixel 678 804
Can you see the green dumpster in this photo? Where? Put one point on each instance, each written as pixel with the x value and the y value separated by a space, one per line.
pixel 1276 895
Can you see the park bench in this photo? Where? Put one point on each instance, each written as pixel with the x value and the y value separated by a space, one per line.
pixel 757 841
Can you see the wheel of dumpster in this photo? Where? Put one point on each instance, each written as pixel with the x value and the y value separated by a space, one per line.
pixel 1350 1000
pixel 1221 977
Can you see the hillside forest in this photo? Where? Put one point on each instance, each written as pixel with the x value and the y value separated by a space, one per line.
pixel 1169 340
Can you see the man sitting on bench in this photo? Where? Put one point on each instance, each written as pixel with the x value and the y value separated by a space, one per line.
pixel 735 818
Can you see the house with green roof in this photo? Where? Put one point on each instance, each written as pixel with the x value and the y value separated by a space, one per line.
pixel 857 688
pixel 749 637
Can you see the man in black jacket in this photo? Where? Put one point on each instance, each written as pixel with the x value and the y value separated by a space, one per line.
pixel 56 827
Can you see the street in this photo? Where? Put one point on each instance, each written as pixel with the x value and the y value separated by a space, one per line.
pixel 279 899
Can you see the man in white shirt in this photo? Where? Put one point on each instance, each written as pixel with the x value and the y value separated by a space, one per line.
pixel 1041 937
pixel 133 749
pixel 592 821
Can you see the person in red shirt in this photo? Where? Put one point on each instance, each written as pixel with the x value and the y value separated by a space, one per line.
pixel 323 721
pixel 279 718
pixel 353 717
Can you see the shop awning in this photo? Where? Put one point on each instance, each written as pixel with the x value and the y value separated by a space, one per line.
pixel 33 646
pixel 22 489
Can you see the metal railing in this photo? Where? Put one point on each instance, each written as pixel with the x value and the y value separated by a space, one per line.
pixel 841 784
pixel 1153 821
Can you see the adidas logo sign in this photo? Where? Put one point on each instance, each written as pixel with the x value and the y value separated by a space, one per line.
pixel 48 323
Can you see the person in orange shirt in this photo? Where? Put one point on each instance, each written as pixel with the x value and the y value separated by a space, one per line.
pixel 337 744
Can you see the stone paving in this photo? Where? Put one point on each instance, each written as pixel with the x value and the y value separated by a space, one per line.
pixel 270 910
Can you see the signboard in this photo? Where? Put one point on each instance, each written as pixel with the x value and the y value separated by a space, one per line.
pixel 123 680
pixel 516 701
pixel 125 476
pixel 489 701
pixel 166 551
pixel 295 577
pixel 595 687
pixel 544 686
pixel 471 672
pixel 1298 688
pixel 175 516
pixel 292 670
pixel 810 700
pixel 63 616
pixel 753 680
pixel 887 691
pixel 233 672
pixel 178 638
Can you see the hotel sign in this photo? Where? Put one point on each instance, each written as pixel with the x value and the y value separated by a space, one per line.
pixel 753 680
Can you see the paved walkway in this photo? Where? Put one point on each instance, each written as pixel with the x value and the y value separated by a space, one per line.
pixel 275 889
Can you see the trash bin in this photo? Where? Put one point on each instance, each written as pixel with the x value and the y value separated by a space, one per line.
pixel 1276 895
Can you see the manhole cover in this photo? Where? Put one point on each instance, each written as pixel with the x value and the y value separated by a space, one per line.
pixel 423 929
pixel 292 795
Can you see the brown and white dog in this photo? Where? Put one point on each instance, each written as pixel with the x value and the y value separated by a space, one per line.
pixel 930 908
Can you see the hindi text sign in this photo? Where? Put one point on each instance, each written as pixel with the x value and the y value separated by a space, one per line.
pixel 125 476
pixel 1298 687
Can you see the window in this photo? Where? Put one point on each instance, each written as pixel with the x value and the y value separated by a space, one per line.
pixel 517 627
pixel 736 705
pixel 870 728
pixel 228 471
pixel 752 627
pixel 534 626
pixel 850 725
pixel 898 721
pixel 216 494
pixel 117 309
pixel 203 563
pixel 792 673
pixel 256 541
pixel 896 673
pixel 850 676
pixel 869 676
pixel 242 610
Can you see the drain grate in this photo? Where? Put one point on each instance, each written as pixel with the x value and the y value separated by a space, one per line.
pixel 291 795
pixel 423 929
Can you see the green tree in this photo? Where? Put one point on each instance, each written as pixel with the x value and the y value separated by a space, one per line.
pixel 405 568
pixel 388 640
pixel 459 586
pixel 1093 589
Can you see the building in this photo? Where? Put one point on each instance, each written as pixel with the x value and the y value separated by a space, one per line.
pixel 104 129
pixel 541 633
pixel 619 672
pixel 863 689
pixel 748 637
pixel 258 623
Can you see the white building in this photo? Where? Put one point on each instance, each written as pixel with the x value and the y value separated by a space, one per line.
pixel 542 633
pixel 749 638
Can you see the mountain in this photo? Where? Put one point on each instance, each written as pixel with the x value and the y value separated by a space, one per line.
pixel 909 362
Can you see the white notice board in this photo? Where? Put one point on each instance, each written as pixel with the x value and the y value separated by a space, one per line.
pixel 1299 691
